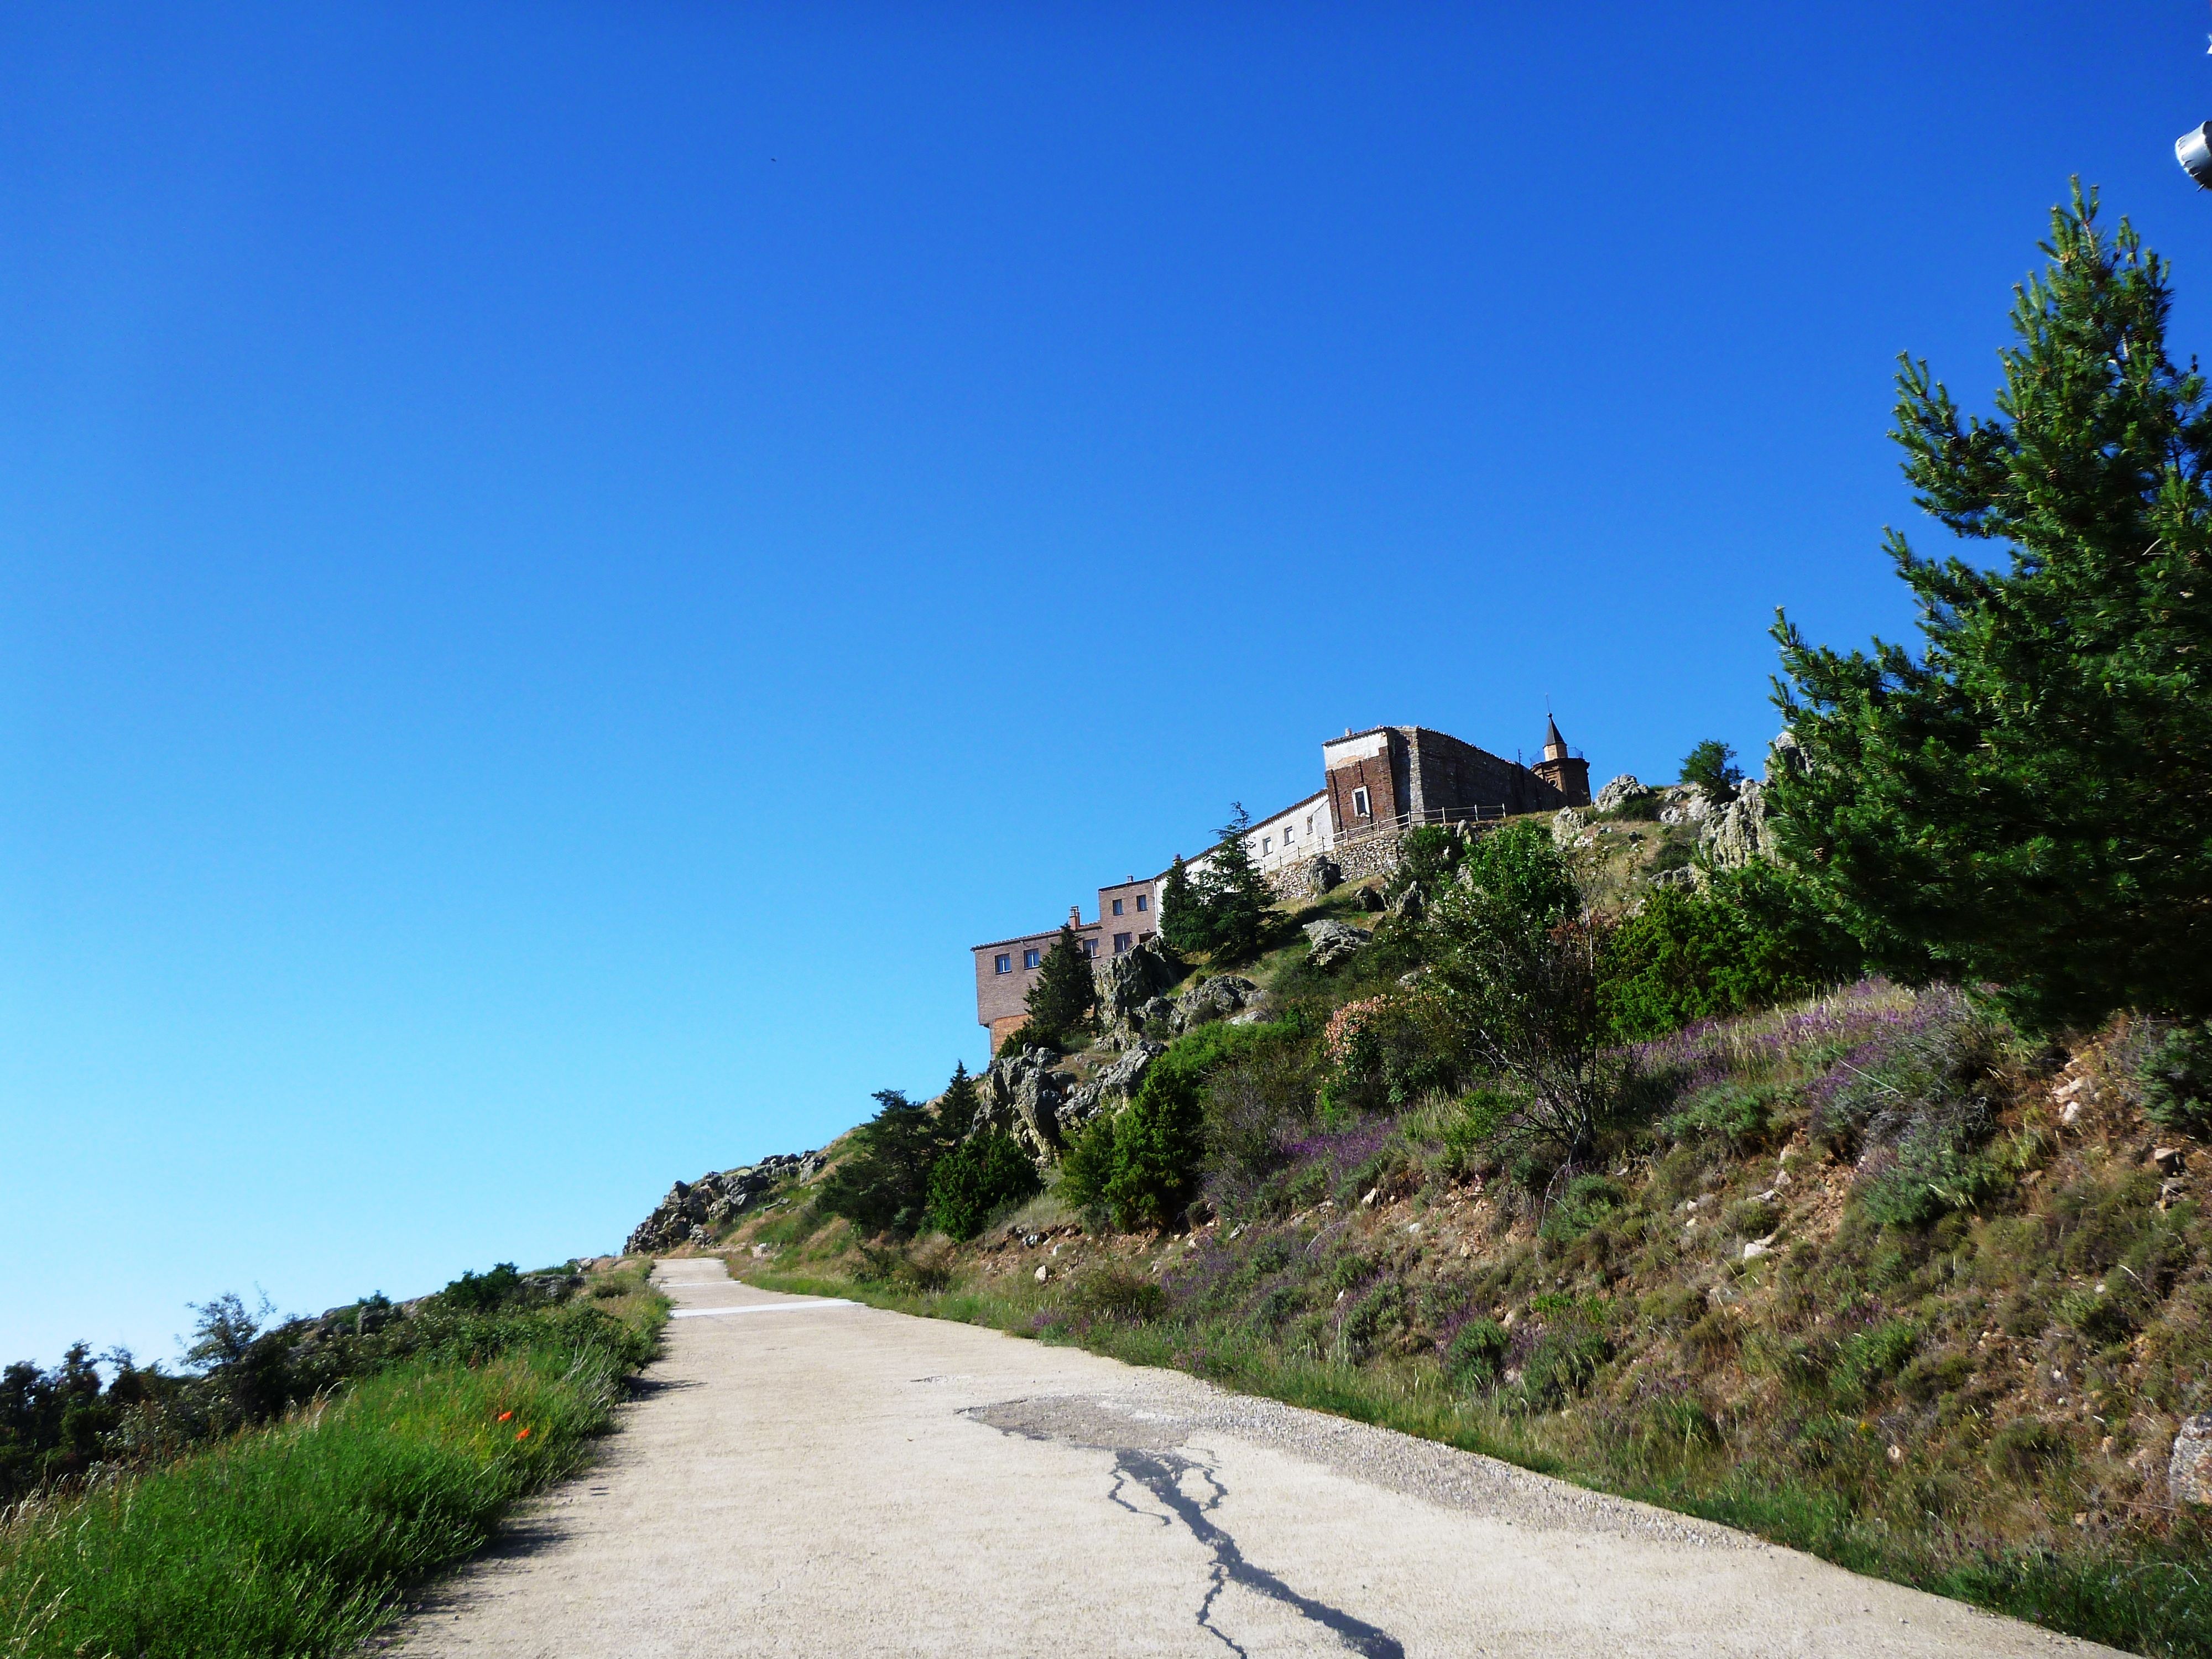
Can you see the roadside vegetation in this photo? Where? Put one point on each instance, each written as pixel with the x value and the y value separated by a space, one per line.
pixel 280 1494
pixel 1850 1191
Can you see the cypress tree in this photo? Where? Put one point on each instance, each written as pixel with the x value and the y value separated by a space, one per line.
pixel 1061 1002
pixel 2029 802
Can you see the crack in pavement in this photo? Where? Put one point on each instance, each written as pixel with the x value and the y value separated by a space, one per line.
pixel 1160 1470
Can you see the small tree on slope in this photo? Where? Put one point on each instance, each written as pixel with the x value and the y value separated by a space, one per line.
pixel 1065 994
pixel 2030 802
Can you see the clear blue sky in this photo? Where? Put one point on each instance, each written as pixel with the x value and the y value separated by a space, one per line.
pixel 559 564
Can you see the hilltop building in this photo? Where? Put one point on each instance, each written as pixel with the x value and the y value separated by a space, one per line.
pixel 1376 786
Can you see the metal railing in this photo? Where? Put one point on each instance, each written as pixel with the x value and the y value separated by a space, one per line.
pixel 1442 817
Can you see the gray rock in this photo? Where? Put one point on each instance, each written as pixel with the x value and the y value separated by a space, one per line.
pixel 1786 755
pixel 2189 1471
pixel 1570 828
pixel 1408 906
pixel 1210 1000
pixel 1741 831
pixel 1127 982
pixel 1619 793
pixel 1022 1095
pixel 1371 900
pixel 1334 941
pixel 1327 875
pixel 693 1209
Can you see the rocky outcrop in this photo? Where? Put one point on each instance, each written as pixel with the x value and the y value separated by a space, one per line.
pixel 1022 1095
pixel 1620 792
pixel 1739 831
pixel 1408 906
pixel 1110 1092
pixel 1327 875
pixel 2189 1471
pixel 1225 996
pixel 1570 829
pixel 1128 981
pixel 692 1210
pixel 1334 941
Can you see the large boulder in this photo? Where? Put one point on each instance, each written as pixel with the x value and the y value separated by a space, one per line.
pixel 1333 941
pixel 1022 1095
pixel 1408 906
pixel 1225 996
pixel 1327 875
pixel 1127 981
pixel 1619 793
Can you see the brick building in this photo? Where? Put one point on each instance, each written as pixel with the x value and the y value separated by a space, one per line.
pixel 1128 913
pixel 1376 785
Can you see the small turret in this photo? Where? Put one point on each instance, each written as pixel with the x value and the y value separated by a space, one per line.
pixel 1562 769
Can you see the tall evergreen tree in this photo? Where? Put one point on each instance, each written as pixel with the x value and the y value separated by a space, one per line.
pixel 1235 895
pixel 885 1185
pixel 1184 923
pixel 958 1107
pixel 2030 801
pixel 1062 1001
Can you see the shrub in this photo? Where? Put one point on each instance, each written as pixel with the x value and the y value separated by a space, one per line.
pixel 1750 939
pixel 986 1173
pixel 1729 1113
pixel 1866 1360
pixel 2177 1081
pixel 2024 1447
pixel 1514 967
pixel 1371 1322
pixel 1113 1293
pixel 1473 1358
pixel 1142 1165
pixel 1588 1201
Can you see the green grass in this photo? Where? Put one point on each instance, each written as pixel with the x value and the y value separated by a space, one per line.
pixel 297 1539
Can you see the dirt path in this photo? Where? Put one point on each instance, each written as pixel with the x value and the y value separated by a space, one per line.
pixel 813 1477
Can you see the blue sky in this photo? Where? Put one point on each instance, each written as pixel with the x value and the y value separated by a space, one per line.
pixel 559 564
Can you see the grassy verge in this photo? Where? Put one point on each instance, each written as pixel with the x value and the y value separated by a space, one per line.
pixel 298 1538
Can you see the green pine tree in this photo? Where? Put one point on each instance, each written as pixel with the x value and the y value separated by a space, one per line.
pixel 1185 924
pixel 2029 803
pixel 960 1105
pixel 1063 1001
pixel 1711 768
pixel 1234 895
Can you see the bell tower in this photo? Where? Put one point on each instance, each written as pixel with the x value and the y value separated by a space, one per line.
pixel 1567 773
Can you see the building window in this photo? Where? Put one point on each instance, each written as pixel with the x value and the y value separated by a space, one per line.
pixel 1031 958
pixel 1117 907
pixel 1359 803
pixel 1091 947
pixel 1266 843
pixel 1310 826
pixel 1003 963
pixel 1143 903
pixel 1122 943
pixel 1290 834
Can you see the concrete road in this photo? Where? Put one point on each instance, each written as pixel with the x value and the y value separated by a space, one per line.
pixel 813 1477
